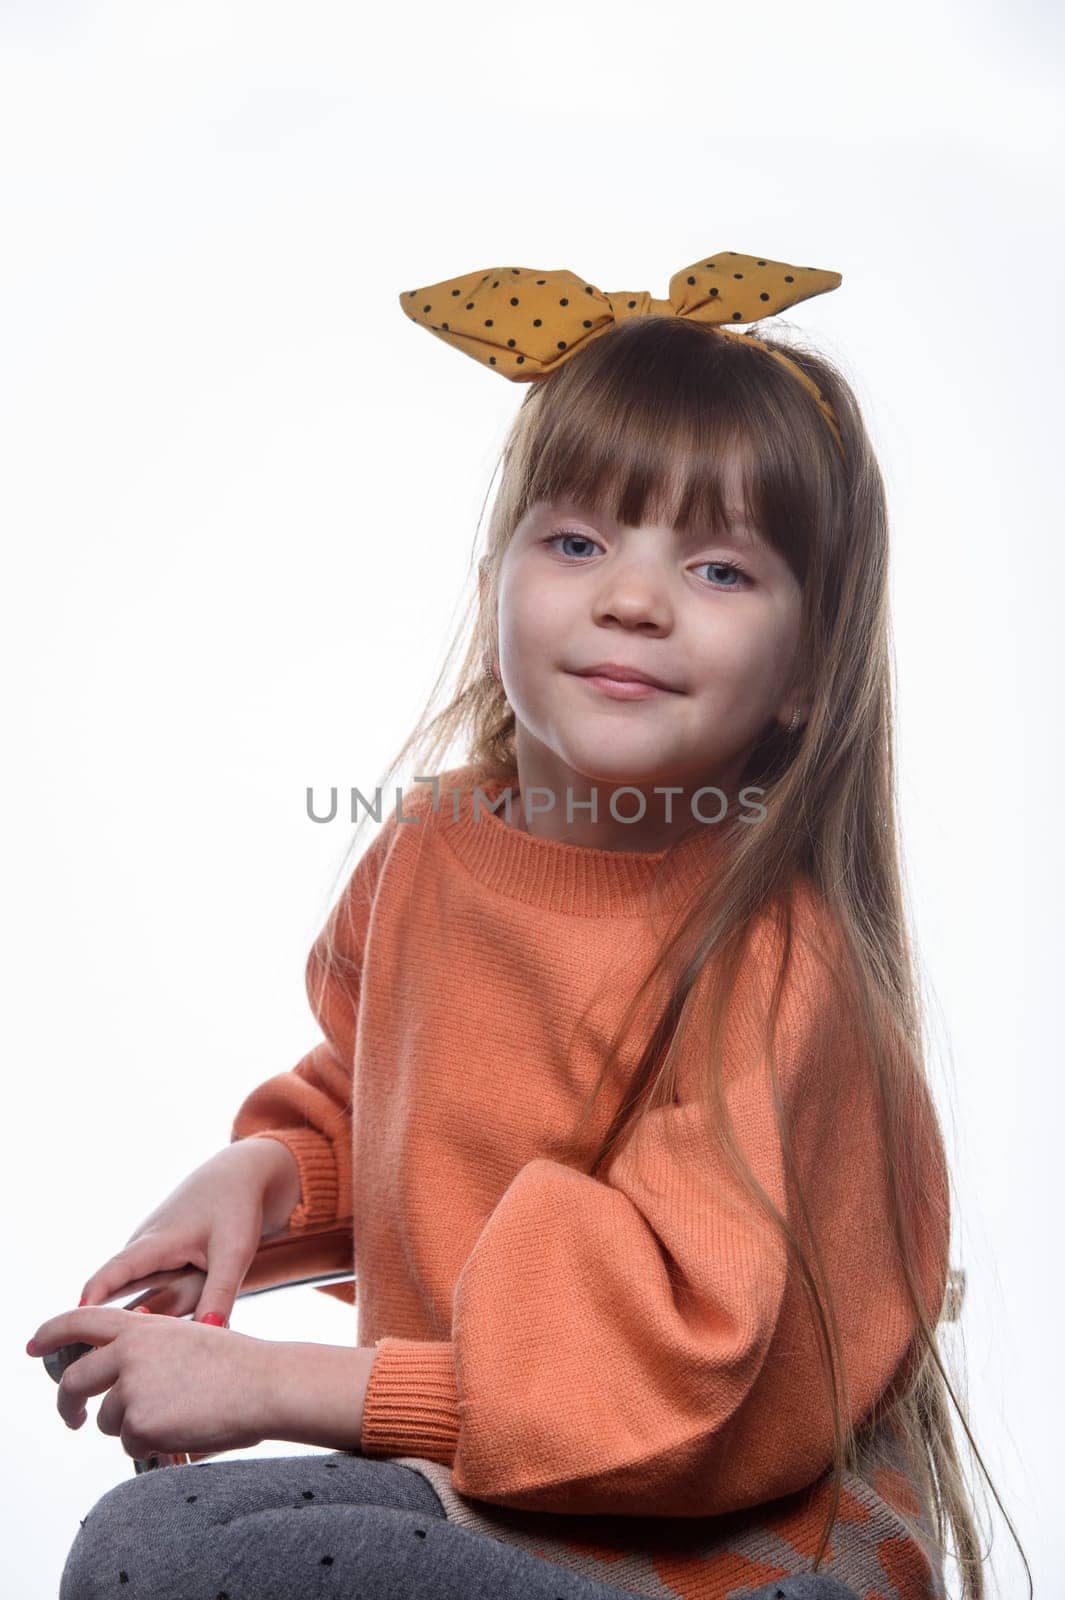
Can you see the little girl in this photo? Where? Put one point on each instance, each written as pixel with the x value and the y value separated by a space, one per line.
pixel 621 1090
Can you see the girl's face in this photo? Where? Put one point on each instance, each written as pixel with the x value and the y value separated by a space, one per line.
pixel 717 620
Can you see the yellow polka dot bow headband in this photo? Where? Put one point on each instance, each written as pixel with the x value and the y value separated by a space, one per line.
pixel 524 322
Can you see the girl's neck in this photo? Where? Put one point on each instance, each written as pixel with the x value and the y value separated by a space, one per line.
pixel 553 801
pixel 563 876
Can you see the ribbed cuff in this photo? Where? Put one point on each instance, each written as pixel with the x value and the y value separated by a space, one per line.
pixel 411 1405
pixel 316 1161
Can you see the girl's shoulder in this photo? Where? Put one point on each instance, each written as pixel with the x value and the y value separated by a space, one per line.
pixel 799 930
pixel 400 808
pixel 406 814
pixel 440 793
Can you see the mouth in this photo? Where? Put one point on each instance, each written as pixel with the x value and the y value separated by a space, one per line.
pixel 628 683
pixel 622 688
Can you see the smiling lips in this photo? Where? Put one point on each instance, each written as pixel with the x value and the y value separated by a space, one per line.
pixel 623 683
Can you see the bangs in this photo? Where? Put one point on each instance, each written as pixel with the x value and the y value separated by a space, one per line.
pixel 662 420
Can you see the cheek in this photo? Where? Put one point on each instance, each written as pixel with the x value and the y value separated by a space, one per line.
pixel 744 658
pixel 534 622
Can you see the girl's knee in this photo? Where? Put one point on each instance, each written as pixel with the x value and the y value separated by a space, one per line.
pixel 111 1538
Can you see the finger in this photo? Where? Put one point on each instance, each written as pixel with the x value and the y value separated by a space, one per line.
pixel 226 1271
pixel 175 1298
pixel 171 1293
pixel 90 1374
pixel 151 1282
pixel 95 1325
pixel 112 1413
pixel 124 1269
pixel 148 1259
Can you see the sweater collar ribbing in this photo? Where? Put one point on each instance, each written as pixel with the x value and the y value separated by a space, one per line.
pixel 578 880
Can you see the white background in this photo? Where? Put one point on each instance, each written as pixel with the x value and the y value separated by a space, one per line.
pixel 239 498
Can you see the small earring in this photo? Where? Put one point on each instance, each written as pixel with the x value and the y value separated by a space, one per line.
pixel 489 670
pixel 794 723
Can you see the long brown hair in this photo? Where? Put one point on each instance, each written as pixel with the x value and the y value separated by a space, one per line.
pixel 639 423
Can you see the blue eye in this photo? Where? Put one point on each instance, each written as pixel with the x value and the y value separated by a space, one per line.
pixel 726 566
pixel 722 566
pixel 568 533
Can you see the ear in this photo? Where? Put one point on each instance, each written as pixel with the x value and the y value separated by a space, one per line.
pixel 797 697
pixel 787 709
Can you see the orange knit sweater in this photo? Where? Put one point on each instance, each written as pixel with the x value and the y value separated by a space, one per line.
pixel 620 1374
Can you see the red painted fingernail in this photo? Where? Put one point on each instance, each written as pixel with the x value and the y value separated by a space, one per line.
pixel 215 1319
pixel 143 1308
pixel 81 1302
pixel 31 1348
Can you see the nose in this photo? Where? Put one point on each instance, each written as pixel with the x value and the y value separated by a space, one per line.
pixel 635 593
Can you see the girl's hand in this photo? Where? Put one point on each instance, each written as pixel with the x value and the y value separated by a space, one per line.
pixel 214 1220
pixel 172 1385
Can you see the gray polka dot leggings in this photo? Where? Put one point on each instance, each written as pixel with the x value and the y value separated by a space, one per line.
pixel 348 1527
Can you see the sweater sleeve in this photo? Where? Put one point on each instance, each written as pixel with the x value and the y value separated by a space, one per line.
pixel 639 1344
pixel 308 1107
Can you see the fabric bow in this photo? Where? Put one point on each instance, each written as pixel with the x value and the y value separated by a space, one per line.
pixel 525 323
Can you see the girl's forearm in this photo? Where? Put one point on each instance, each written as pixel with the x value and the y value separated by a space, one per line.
pixel 314 1393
